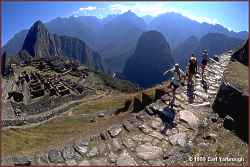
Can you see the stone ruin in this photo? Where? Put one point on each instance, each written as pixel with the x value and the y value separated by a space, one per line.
pixel 31 89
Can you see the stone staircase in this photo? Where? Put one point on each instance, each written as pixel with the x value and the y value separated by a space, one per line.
pixel 139 140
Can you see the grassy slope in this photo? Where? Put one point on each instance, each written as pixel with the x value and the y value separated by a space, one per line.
pixel 54 133
pixel 58 130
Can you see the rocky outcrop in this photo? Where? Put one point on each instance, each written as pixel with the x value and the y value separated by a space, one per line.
pixel 232 105
pixel 242 54
pixel 39 43
pixel 231 102
pixel 151 57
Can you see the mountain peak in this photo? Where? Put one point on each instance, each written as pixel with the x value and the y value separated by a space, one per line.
pixel 38 25
pixel 129 13
pixel 151 57
pixel 38 35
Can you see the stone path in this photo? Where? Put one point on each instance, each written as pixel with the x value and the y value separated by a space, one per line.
pixel 138 140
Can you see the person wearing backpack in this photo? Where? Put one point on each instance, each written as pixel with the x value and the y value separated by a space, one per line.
pixel 204 62
pixel 176 79
pixel 192 68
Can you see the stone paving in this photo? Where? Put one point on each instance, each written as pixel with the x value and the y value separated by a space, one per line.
pixel 140 140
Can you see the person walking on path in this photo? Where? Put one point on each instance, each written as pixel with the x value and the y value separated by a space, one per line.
pixel 192 69
pixel 204 63
pixel 176 79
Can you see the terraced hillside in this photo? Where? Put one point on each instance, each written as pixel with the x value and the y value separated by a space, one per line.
pixel 115 130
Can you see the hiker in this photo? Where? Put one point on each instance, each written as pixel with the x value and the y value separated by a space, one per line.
pixel 192 68
pixel 176 79
pixel 204 62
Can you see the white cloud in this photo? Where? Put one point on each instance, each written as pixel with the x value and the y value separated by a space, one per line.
pixel 201 19
pixel 140 9
pixel 89 8
pixel 83 10
pixel 156 9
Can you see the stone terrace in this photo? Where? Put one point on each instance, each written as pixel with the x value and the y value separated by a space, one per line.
pixel 138 140
pixel 41 94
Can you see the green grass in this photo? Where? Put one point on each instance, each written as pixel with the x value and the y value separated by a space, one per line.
pixel 58 130
pixel 101 80
pixel 103 104
pixel 38 138
pixel 54 133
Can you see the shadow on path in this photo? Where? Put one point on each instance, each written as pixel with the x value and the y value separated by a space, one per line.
pixel 204 85
pixel 190 93
pixel 167 115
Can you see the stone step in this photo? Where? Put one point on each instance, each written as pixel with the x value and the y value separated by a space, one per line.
pixel 204 104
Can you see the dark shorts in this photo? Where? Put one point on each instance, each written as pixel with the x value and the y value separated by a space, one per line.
pixel 204 62
pixel 191 71
pixel 174 85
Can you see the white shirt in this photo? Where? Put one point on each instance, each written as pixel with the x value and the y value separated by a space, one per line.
pixel 176 76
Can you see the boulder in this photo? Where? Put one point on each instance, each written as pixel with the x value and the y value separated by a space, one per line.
pixel 21 161
pixel 128 126
pixel 178 139
pixel 69 153
pixel 144 128
pixel 204 104
pixel 189 118
pixel 125 159
pixel 203 145
pixel 116 145
pixel 211 137
pixel 157 135
pixel 115 131
pixel 156 124
pixel 55 156
pixel 104 135
pixel 112 157
pixel 128 143
pixel 92 153
pixel 41 159
pixel 81 148
pixel 148 152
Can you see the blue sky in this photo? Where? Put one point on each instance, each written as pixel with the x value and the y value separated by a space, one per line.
pixel 21 15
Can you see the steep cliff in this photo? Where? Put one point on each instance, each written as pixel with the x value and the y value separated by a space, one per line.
pixel 151 57
pixel 39 43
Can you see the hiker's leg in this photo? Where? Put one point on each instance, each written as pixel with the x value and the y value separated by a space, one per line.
pixel 189 78
pixel 163 131
pixel 203 70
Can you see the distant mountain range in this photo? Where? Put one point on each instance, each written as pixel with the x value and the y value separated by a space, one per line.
pixel 214 43
pixel 115 37
pixel 40 43
pixel 150 59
